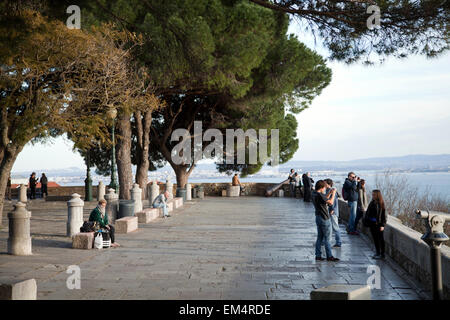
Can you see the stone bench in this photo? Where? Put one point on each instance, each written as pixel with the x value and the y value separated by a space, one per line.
pixel 22 290
pixel 126 224
pixel 342 292
pixel 178 202
pixel 233 191
pixel 83 240
pixel 149 214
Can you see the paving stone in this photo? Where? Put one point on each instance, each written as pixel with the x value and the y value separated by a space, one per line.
pixel 218 248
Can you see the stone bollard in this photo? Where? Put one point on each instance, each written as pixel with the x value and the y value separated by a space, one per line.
pixel 18 290
pixel 153 192
pixel 169 187
pixel 19 240
pixel 23 193
pixel 188 192
pixel 100 191
pixel 74 215
pixel 112 205
pixel 136 195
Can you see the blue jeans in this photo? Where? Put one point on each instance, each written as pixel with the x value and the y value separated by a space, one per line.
pixel 335 227
pixel 292 189
pixel 351 221
pixel 164 207
pixel 323 235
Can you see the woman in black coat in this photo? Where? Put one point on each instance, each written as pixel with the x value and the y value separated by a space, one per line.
pixel 307 186
pixel 33 181
pixel 376 219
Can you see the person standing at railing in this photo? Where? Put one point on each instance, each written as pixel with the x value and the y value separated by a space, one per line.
pixel 307 186
pixel 291 179
pixel 235 182
pixel 321 202
pixel 376 219
pixel 298 184
pixel 33 181
pixel 363 202
pixel 350 194
pixel 44 182
pixel 334 214
pixel 8 188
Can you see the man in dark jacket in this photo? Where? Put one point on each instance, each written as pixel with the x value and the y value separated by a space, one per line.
pixel 307 185
pixel 321 202
pixel 33 182
pixel 351 193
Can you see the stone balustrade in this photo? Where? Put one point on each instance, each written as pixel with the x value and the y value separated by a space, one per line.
pixel 404 246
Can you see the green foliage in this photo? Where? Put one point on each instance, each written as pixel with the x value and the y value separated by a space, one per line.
pixel 406 26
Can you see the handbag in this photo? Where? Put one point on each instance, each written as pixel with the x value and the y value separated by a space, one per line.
pixel 366 220
pixel 89 226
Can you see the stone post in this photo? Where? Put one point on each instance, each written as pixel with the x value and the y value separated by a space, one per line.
pixel 169 187
pixel 74 215
pixel 19 240
pixel 100 191
pixel 23 193
pixel 154 192
pixel 188 192
pixel 112 205
pixel 136 195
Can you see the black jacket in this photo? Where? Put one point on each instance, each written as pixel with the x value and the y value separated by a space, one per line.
pixel 374 211
pixel 307 182
pixel 351 189
pixel 33 182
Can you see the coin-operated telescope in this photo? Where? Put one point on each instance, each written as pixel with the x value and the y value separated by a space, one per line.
pixel 434 237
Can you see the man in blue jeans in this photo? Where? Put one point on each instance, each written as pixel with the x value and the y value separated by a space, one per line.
pixel 321 202
pixel 160 202
pixel 351 195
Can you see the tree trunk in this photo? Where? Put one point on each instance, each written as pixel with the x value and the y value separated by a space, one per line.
pixel 143 125
pixel 182 172
pixel 7 158
pixel 123 155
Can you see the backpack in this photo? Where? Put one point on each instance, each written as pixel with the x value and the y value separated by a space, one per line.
pixel 344 194
pixel 88 226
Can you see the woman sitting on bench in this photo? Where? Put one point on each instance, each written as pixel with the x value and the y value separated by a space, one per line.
pixel 100 216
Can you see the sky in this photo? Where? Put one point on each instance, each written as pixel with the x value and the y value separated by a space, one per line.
pixel 399 108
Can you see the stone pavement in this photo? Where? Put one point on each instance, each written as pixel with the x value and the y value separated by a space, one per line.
pixel 216 248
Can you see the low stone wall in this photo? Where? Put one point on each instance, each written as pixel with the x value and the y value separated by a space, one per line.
pixel 251 189
pixel 210 189
pixel 58 193
pixel 404 246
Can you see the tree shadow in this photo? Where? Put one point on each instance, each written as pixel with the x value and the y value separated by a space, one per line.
pixel 51 243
